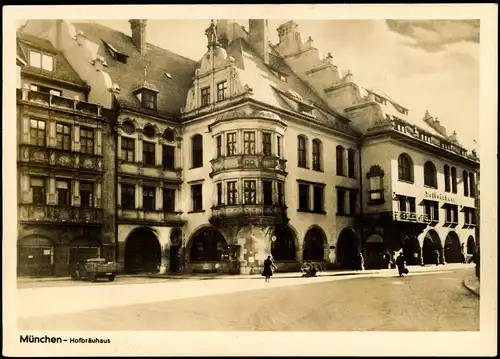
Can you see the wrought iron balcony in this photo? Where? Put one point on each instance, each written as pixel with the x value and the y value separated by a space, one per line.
pixel 410 217
pixel 46 99
pixel 41 213
pixel 60 158
pixel 249 213
pixel 256 162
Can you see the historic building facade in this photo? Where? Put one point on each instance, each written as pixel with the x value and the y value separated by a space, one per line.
pixel 260 149
pixel 65 189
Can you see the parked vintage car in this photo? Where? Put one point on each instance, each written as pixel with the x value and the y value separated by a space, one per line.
pixel 95 268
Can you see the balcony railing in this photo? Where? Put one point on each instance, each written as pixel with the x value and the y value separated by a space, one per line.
pixel 404 127
pixel 257 162
pixel 57 157
pixel 410 217
pixel 46 99
pixel 249 210
pixel 138 215
pixel 40 213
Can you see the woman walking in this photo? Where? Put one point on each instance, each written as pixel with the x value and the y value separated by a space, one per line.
pixel 268 268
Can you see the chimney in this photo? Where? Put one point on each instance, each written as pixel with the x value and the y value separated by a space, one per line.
pixel 139 34
pixel 259 37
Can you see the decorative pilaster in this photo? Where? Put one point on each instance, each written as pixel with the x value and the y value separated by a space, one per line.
pixel 76 138
pixel 138 196
pixel 98 142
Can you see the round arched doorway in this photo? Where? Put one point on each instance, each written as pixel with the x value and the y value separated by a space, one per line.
pixel 314 245
pixel 471 245
pixel 452 248
pixel 142 251
pixel 411 250
pixel 375 251
pixel 283 247
pixel 207 245
pixel 432 243
pixel 35 256
pixel 347 249
pixel 82 248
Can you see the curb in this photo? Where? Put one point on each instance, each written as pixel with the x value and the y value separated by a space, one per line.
pixel 471 288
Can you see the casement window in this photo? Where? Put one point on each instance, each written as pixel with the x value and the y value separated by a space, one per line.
pixel 218 141
pixel 219 194
pixel 149 198
pixel 37 187
pixel 222 91
pixel 41 61
pixel 316 155
pixel 63 136
pixel 432 210
pixel 405 168
pixel 231 144
pixel 197 197
pixel 250 192
pixel 63 189
pixel 205 96
pixel 87 194
pixel 149 100
pixel 169 200
pixel 128 149
pixel 302 151
pixel 267 191
pixel 318 199
pixel 148 153
pixel 266 144
pixel 353 198
pixel 351 162
pixel 128 196
pixel 232 192
pixel 249 143
pixel 303 197
pixel 87 140
pixel 339 151
pixel 430 175
pixel 281 193
pixel 197 151
pixel 168 157
pixel 38 133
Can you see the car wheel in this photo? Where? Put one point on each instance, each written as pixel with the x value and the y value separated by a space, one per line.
pixel 111 278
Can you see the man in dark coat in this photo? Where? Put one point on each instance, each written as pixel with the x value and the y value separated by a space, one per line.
pixel 401 264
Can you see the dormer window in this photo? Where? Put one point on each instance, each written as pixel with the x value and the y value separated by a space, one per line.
pixel 115 54
pixel 149 99
pixel 41 61
pixel 205 96
pixel 305 108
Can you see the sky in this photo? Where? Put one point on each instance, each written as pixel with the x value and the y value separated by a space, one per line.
pixel 421 64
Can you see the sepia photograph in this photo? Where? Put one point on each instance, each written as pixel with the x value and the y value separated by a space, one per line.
pixel 232 175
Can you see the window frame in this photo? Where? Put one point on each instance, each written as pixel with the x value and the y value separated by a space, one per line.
pixel 168 157
pixel 197 151
pixel 232 192
pixel 231 144
pixel 148 153
pixel 197 197
pixel 38 135
pixel 83 194
pixel 316 155
pixel 87 139
pixel 130 203
pixel 168 197
pixel 126 150
pixel 301 151
pixel 267 143
pixel 221 90
pixel 205 96
pixel 249 143
pixel 249 192
pixel 63 139
pixel 149 193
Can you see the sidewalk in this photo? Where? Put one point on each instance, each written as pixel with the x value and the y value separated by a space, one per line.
pixel 208 276
pixel 472 284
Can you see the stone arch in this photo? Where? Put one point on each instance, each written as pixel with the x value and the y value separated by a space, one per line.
pixel 142 251
pixel 411 249
pixel 284 247
pixel 432 243
pixel 82 248
pixel 315 242
pixel 35 255
pixel 206 244
pixel 347 248
pixel 452 248
pixel 150 127
pixel 471 245
pixel 169 134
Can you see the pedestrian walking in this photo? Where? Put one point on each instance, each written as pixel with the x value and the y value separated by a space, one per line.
pixel 436 252
pixel 361 262
pixel 268 268
pixel 401 264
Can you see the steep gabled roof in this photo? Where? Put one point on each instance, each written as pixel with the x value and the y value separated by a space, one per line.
pixel 268 88
pixel 62 68
pixel 172 88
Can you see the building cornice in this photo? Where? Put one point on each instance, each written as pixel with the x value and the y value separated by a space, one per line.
pixel 29 73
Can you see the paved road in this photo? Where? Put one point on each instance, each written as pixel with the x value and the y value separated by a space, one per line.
pixel 421 301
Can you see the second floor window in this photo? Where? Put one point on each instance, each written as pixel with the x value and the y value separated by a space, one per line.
pixel 168 157
pixel 219 145
pixel 63 134
pixel 169 200
pixel 339 152
pixel 341 201
pixel 351 163
pixel 406 204
pixel 86 194
pixel 318 197
pixel 303 197
pixel 197 197
pixel 205 96
pixel 128 196
pixel 316 147
pixel 250 189
pixel 221 91
pixel 266 143
pixel 231 144
pixel 432 210
pixel 87 140
pixel 63 189
pixel 197 151
pixel 302 155
pixel 232 192
pixel 128 149
pixel 281 193
pixel 37 186
pixel 148 153
pixel 249 143
pixel 219 194
pixel 37 132
pixel 267 191
pixel 148 198
pixel 451 213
